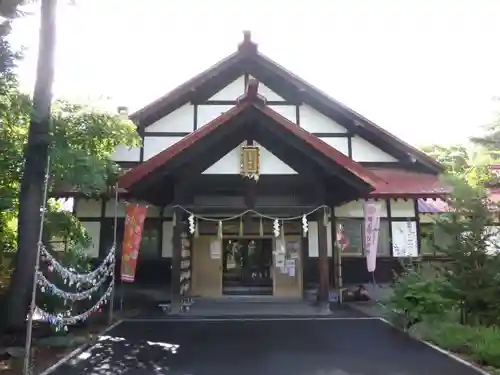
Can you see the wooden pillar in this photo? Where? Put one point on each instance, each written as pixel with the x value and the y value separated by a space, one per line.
pixel 176 259
pixel 324 279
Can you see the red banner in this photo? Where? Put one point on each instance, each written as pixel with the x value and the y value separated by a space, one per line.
pixel 134 223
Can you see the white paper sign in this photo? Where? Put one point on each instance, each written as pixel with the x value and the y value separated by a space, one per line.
pixel 280 260
pixel 404 239
pixel 291 271
pixel 215 249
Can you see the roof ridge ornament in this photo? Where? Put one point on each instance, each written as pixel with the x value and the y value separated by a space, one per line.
pixel 247 45
pixel 251 94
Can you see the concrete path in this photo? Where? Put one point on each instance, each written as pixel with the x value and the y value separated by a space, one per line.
pixel 293 346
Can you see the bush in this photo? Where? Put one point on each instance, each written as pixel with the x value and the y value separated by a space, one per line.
pixel 420 295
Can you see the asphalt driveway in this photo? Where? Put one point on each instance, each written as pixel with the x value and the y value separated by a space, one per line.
pixel 260 347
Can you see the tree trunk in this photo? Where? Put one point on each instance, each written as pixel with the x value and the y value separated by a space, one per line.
pixel 32 183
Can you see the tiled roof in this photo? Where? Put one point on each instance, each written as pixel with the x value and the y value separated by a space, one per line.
pixel 404 183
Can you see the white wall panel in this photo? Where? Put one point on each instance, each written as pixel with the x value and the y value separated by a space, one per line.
pixel 180 120
pixel 152 211
pixel 355 209
pixel 339 143
pixel 93 229
pixel 230 164
pixel 207 113
pixel 365 151
pixel 232 91
pixel 315 122
pixel 155 145
pixel 168 233
pixel 402 208
pixel 88 208
pixel 269 94
pixel 287 111
pixel 123 153
pixel 312 235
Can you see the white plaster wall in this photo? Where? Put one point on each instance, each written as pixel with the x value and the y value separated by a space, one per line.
pixel 232 91
pixel 287 111
pixel 428 218
pixel 354 209
pixel 365 151
pixel 123 153
pixel 339 143
pixel 230 164
pixel 180 120
pixel 312 236
pixel 152 211
pixel 269 94
pixel 166 246
pixel 88 208
pixel 315 122
pixel 402 208
pixel 207 113
pixel 155 145
pixel 93 229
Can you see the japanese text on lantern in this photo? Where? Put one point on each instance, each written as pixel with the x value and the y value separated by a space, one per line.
pixel 134 223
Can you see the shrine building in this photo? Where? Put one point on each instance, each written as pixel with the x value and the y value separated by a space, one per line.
pixel 247 134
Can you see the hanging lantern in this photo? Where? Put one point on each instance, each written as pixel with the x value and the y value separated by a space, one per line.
pixel 276 228
pixel 305 225
pixel 191 224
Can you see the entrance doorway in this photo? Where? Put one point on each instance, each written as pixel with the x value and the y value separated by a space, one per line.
pixel 247 266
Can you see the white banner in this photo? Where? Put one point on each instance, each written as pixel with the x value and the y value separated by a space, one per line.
pixel 373 210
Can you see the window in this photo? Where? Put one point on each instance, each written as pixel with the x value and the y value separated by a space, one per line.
pixel 354 231
pixel 431 238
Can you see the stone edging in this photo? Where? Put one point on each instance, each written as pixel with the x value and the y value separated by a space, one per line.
pixel 78 350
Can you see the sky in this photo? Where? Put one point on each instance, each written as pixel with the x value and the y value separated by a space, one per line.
pixel 425 70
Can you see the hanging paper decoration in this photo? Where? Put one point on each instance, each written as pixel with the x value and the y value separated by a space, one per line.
pixel 47 287
pixel 196 230
pixel 219 230
pixel 73 277
pixel 305 225
pixel 325 218
pixel 61 322
pixel 261 227
pixel 276 228
pixel 174 219
pixel 191 223
pixel 241 231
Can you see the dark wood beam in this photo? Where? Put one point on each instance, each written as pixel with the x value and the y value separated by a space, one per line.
pixel 324 278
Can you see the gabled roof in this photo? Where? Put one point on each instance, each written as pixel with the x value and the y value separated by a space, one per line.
pixel 248 57
pixel 250 100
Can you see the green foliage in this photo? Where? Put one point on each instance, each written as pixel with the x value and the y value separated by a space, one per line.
pixel 479 342
pixel 472 272
pixel 420 294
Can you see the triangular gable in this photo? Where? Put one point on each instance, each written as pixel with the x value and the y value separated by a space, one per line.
pixel 270 164
pixel 248 56
pixel 251 99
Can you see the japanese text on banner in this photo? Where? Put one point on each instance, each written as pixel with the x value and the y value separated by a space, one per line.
pixel 134 224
